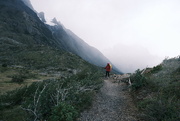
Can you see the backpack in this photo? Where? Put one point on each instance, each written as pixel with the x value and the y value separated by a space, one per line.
pixel 110 66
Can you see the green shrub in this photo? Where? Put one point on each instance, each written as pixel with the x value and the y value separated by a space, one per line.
pixel 4 65
pixel 82 100
pixel 13 98
pixel 161 110
pixel 64 112
pixel 18 78
pixel 157 69
pixel 143 104
pixel 162 100
pixel 40 99
pixel 3 68
pixel 177 70
pixel 138 80
pixel 172 90
pixel 21 75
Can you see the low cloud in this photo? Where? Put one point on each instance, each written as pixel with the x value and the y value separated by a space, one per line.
pixel 129 58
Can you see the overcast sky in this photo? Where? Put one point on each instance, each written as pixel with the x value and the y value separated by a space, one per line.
pixel 131 33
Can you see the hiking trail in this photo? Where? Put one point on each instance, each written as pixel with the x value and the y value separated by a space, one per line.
pixel 112 103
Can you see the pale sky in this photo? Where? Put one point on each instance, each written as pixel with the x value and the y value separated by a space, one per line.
pixel 133 34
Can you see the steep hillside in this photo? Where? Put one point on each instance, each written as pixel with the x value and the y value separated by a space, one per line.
pixel 74 44
pixel 35 67
pixel 53 78
pixel 156 91
pixel 20 23
pixel 28 3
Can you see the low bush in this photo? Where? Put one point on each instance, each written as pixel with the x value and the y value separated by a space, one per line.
pixel 161 103
pixel 3 68
pixel 177 70
pixel 160 109
pixel 138 80
pixel 4 65
pixel 13 98
pixel 21 75
pixel 156 68
pixel 52 99
pixel 18 78
pixel 63 112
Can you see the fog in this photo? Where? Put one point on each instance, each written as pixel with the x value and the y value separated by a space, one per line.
pixel 131 33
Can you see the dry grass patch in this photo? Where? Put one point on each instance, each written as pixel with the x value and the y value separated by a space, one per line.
pixel 6 76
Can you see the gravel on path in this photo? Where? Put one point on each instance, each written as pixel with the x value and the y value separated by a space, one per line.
pixel 112 103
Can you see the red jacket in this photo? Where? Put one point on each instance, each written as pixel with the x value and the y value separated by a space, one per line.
pixel 108 68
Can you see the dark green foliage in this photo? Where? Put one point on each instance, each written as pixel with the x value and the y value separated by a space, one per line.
pixel 17 78
pixel 21 75
pixel 76 86
pixel 4 65
pixel 44 99
pixel 177 70
pixel 161 103
pixel 138 80
pixel 160 109
pixel 156 69
pixel 83 100
pixel 26 43
pixel 63 112
pixel 171 91
pixel 12 98
pixel 14 114
pixel 3 68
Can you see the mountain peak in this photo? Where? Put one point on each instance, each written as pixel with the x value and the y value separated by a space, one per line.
pixel 41 17
pixel 28 3
pixel 51 22
pixel 54 20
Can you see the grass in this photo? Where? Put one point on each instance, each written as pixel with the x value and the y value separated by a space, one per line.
pixel 160 96
pixel 14 114
pixel 6 83
pixel 41 66
pixel 79 90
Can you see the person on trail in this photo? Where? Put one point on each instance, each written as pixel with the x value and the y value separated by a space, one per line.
pixel 108 69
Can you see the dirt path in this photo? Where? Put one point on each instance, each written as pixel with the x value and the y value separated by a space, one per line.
pixel 112 103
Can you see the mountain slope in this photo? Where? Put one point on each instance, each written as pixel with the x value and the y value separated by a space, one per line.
pixel 20 23
pixel 37 76
pixel 28 3
pixel 72 43
pixel 156 91
pixel 26 41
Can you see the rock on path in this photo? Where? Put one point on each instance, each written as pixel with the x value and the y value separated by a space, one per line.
pixel 112 103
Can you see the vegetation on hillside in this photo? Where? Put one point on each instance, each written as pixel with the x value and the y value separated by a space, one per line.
pixel 43 83
pixel 52 99
pixel 156 92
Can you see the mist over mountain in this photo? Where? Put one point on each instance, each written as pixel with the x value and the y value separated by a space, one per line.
pixel 131 57
pixel 76 45
pixel 21 24
pixel 72 43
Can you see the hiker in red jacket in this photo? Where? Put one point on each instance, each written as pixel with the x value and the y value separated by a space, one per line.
pixel 108 69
